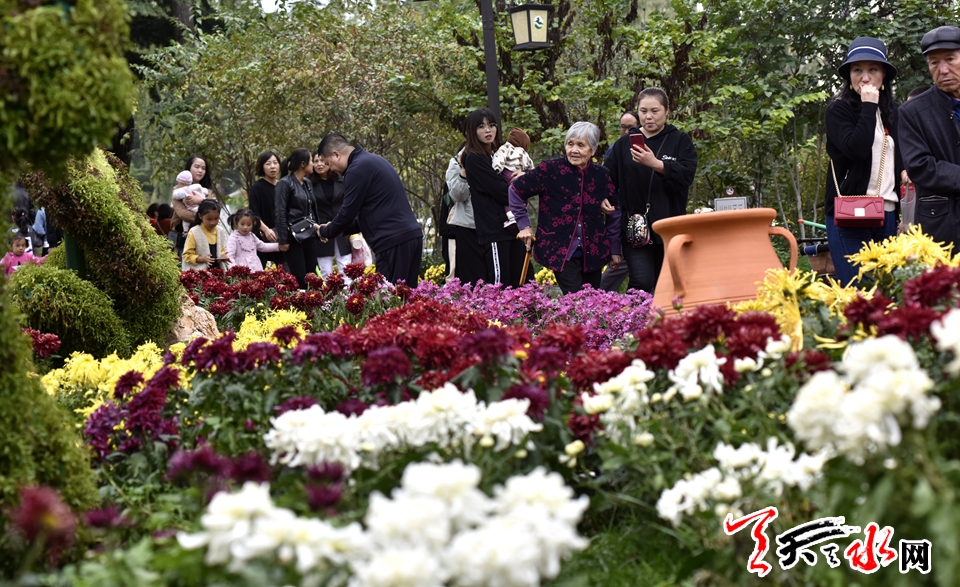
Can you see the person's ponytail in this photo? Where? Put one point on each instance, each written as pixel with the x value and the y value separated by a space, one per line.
pixel 297 159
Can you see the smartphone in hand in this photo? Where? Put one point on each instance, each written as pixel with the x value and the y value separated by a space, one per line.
pixel 637 140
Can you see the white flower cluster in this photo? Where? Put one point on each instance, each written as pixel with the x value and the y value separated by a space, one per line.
pixel 946 332
pixel 693 372
pixel 446 416
pixel 770 471
pixel 238 527
pixel 437 529
pixel 859 410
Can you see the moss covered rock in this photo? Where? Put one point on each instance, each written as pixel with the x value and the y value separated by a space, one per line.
pixel 100 207
pixel 56 300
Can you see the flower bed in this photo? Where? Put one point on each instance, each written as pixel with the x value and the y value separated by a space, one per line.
pixel 817 400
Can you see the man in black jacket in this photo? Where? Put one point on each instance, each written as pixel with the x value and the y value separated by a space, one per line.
pixel 930 138
pixel 374 203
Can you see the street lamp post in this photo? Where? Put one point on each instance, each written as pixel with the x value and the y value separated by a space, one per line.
pixel 490 57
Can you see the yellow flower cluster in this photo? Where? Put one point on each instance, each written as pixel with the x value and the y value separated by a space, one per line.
pixel 897 251
pixel 546 277
pixel 254 330
pixel 436 273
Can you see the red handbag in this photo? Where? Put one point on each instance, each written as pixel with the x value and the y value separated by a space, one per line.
pixel 862 210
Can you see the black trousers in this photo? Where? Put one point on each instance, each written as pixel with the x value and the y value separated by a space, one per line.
pixel 471 256
pixel 644 265
pixel 302 259
pixel 505 263
pixel 572 278
pixel 402 262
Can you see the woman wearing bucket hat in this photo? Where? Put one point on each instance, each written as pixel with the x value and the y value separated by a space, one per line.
pixel 861 126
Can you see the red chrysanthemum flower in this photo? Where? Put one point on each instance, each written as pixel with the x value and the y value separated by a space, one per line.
pixel 403 291
pixel 250 467
pixel 660 347
pixel 568 339
pixel 190 279
pixel 351 407
pixel 908 321
pixel 867 312
pixel 705 324
pixel 325 471
pixel 938 285
pixel 219 354
pixel 354 270
pixel 220 307
pixel 334 283
pixel 46 344
pixel 279 302
pixel 355 304
pixel 314 281
pixel 596 367
pixel 239 271
pixel 204 460
pixel 295 404
pixel 42 513
pixel 256 355
pixel 548 359
pixel 194 298
pixel 366 285
pixel 191 350
pixel 320 344
pixel 488 344
pixel 286 334
pixel 436 346
pixel 253 289
pixel 100 427
pixel 385 366
pixel 106 517
pixel 127 382
pixel 323 496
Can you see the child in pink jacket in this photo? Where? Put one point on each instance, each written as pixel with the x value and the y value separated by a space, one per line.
pixel 18 255
pixel 243 244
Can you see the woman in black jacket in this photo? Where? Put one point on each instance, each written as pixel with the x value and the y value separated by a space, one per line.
pixel 861 132
pixel 294 202
pixel 263 198
pixel 654 179
pixel 488 193
pixel 328 191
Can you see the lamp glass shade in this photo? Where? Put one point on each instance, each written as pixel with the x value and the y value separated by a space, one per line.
pixel 530 22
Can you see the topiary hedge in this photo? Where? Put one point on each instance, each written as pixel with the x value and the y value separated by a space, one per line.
pixel 64 82
pixel 38 440
pixel 57 257
pixel 125 257
pixel 56 300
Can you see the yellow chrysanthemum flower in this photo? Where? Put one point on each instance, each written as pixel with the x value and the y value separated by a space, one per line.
pixel 897 251
pixel 82 370
pixel 254 330
pixel 546 277
pixel 436 273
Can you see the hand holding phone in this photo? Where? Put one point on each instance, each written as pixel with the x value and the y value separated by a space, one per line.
pixel 637 140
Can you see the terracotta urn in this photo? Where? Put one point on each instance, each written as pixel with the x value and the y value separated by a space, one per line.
pixel 717 257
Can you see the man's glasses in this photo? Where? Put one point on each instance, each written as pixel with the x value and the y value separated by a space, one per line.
pixel 625 127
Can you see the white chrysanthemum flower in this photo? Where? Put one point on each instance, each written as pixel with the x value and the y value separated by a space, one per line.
pixel 701 366
pixel 597 404
pixel 284 436
pixel 776 347
pixel 688 495
pixel 506 421
pixel 816 409
pixel 504 552
pixel 747 365
pixel 643 439
pixel 873 355
pixel 946 332
pixel 441 416
pixel 728 490
pixel 455 484
pixel 408 520
pixel 555 538
pixel 399 567
pixel 540 488
pixel 747 456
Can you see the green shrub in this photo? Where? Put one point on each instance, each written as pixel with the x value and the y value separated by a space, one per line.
pixel 38 441
pixel 66 82
pixel 100 207
pixel 57 257
pixel 56 300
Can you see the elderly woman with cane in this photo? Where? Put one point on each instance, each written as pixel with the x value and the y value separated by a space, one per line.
pixel 574 238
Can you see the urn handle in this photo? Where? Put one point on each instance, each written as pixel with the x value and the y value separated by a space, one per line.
pixel 673 258
pixel 791 240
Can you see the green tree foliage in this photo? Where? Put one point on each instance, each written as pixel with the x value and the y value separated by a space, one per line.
pixel 64 84
pixel 100 206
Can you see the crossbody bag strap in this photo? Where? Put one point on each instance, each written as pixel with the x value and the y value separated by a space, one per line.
pixel 883 156
pixel 652 174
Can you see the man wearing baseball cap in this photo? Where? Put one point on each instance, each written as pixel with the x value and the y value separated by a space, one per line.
pixel 930 138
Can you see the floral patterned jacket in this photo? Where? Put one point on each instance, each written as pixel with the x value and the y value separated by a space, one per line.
pixel 568 196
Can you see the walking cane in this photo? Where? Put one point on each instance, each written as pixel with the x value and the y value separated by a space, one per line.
pixel 526 263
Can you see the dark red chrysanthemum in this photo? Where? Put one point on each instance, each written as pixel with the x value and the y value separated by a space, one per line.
pixel 295 403
pixel 219 354
pixel 385 366
pixel 352 407
pixel 749 333
pixel 164 379
pixel 366 285
pixel 46 344
pixel 250 467
pixel 583 426
pixel 191 350
pixel 220 308
pixel 239 271
pixel 279 302
pixel 253 289
pixel 403 291
pixel 548 359
pixel 355 303
pixel 127 382
pixel 435 345
pixel 488 344
pixel 326 471
pixel 323 496
pixel 867 312
pixel 320 344
pixel 183 464
pixel 106 517
pixel 99 429
pixel 596 367
pixel 191 279
pixel 334 283
pixel 42 513
pixel 256 355
pixel 705 324
pixel 568 339
pixel 194 298
pixel 539 398
pixel 286 334
pixel 354 270
pixel 314 281
pixel 812 361
pixel 660 347
pixel 938 285
pixel 907 321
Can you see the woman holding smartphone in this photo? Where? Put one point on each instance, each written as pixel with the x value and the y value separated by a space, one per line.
pixel 653 168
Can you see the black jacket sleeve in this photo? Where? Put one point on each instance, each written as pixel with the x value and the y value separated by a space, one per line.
pixel 850 134
pixel 678 174
pixel 283 196
pixel 926 136
pixel 484 180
